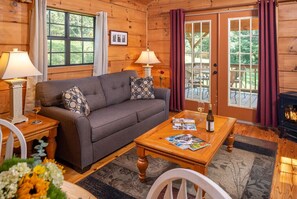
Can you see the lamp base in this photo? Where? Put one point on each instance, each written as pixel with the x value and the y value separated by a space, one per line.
pixel 16 104
pixel 17 119
pixel 147 70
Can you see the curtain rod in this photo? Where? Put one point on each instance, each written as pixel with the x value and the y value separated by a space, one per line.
pixel 231 6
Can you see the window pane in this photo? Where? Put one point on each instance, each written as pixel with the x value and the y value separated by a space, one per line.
pixel 47 16
pixel 48 45
pixel 88 46
pixel 76 46
pixel 205 29
pixel 188 45
pixel 255 58
pixel 88 33
pixel 188 30
pixel 245 45
pixel 58 59
pixel 245 59
pixel 75 31
pixel 88 21
pixel 255 24
pixel 75 58
pixel 234 58
pixel 58 46
pixel 57 30
pixel 188 58
pixel 255 44
pixel 234 44
pixel 75 19
pixel 88 58
pixel 48 59
pixel 234 28
pixel 205 44
pixel 245 27
pixel 57 17
pixel 47 30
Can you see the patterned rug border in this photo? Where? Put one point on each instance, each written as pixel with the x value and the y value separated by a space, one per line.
pixel 250 144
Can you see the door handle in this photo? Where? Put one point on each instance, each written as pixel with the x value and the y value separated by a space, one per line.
pixel 215 64
pixel 215 72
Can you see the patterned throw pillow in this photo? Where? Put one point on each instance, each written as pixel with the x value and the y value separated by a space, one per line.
pixel 75 101
pixel 142 88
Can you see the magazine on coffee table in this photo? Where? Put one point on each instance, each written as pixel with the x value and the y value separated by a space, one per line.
pixel 187 141
pixel 183 124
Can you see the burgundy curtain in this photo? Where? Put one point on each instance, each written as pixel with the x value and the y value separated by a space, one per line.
pixel 268 74
pixel 177 60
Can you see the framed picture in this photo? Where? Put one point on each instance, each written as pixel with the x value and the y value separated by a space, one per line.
pixel 118 38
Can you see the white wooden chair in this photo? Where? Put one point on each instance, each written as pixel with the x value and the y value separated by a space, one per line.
pixel 203 183
pixel 10 141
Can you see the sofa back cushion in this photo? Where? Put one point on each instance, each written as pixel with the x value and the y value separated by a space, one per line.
pixel 116 86
pixel 50 92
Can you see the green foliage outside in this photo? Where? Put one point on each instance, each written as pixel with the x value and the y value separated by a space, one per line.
pixel 80 27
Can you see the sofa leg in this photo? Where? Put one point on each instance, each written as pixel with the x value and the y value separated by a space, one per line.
pixel 81 170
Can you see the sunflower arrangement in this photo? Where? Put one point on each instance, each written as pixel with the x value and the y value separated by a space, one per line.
pixel 22 179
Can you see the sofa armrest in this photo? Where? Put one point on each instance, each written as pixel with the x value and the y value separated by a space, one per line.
pixel 74 136
pixel 163 93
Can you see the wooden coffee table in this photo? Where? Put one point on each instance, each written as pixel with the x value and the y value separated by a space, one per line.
pixel 153 143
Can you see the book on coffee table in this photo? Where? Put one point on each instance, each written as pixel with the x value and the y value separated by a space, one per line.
pixel 183 124
pixel 187 141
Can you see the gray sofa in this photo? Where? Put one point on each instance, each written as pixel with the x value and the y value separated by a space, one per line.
pixel 114 121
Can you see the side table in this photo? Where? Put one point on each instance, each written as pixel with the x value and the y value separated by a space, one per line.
pixel 48 128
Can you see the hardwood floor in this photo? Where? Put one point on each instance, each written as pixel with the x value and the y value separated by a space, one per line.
pixel 285 172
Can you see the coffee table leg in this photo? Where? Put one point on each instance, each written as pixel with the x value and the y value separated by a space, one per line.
pixel 230 141
pixel 142 163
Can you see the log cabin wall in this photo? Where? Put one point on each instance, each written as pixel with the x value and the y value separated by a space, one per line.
pixel 159 34
pixel 14 24
pixel 123 15
pixel 287 46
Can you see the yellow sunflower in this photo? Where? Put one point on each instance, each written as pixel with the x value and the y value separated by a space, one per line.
pixel 53 161
pixel 31 186
pixel 39 169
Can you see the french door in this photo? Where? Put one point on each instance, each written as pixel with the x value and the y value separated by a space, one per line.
pixel 201 61
pixel 222 63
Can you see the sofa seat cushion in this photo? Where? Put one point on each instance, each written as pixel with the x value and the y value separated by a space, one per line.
pixel 143 108
pixel 109 120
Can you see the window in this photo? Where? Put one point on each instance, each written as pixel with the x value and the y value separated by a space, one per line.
pixel 197 60
pixel 70 38
pixel 243 62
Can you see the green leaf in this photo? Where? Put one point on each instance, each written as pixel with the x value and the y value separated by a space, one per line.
pixel 54 192
pixel 13 161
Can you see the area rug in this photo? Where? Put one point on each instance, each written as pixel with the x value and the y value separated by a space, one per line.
pixel 245 173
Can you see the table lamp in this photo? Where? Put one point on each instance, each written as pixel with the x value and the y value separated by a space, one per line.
pixel 15 64
pixel 147 57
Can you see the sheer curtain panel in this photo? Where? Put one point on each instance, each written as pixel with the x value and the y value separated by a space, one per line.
pixel 101 45
pixel 38 50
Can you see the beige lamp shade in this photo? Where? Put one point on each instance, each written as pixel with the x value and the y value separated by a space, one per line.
pixel 14 64
pixel 147 57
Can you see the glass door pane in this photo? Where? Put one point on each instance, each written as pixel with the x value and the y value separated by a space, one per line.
pixel 197 60
pixel 243 62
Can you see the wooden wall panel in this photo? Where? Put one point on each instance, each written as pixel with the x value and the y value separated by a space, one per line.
pixel 287 46
pixel 10 13
pixel 14 33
